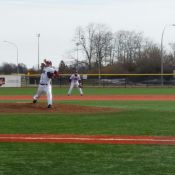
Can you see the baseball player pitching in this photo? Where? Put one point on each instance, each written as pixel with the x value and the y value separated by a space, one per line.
pixel 75 81
pixel 48 73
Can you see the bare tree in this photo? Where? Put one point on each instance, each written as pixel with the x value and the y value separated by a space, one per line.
pixel 85 38
pixel 8 68
pixel 96 43
pixel 149 61
pixel 102 44
pixel 128 45
pixel 172 45
pixel 63 68
pixel 128 51
pixel 22 68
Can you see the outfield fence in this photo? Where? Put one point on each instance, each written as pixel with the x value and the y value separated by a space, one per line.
pixel 107 80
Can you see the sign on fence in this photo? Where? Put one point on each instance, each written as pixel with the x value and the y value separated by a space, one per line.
pixel 10 81
pixel 84 77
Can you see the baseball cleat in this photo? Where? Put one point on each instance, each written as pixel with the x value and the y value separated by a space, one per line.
pixel 34 101
pixel 49 106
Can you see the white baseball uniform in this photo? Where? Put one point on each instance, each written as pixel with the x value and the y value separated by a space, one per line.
pixel 75 78
pixel 45 85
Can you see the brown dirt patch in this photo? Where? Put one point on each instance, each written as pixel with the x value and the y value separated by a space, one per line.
pixel 23 107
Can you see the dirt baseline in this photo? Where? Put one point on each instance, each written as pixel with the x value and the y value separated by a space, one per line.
pixel 88 139
pixel 23 107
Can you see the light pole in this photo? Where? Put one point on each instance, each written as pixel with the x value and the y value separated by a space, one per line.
pixel 161 52
pixel 9 42
pixel 38 35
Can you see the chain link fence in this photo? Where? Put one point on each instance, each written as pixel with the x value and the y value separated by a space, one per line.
pixel 107 80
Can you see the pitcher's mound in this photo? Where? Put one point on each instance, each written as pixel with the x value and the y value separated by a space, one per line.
pixel 22 107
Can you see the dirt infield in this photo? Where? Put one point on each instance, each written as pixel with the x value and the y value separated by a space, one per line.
pixel 95 97
pixel 23 107
pixel 88 139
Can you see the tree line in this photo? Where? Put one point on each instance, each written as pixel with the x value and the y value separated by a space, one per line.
pixel 121 52
pixel 99 50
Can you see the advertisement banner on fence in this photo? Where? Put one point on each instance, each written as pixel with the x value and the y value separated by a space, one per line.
pixel 10 81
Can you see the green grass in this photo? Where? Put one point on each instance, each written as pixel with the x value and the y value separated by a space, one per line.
pixel 90 91
pixel 131 122
pixel 129 105
pixel 135 118
pixel 82 159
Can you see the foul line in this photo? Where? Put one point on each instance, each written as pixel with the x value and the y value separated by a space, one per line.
pixel 89 139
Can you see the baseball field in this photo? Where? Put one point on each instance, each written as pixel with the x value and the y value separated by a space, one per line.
pixel 108 131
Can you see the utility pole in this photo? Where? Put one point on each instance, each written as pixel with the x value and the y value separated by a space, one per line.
pixel 38 35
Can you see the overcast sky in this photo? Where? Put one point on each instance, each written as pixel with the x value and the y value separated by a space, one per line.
pixel 56 21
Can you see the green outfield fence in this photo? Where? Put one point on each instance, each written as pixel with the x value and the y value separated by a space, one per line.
pixel 108 80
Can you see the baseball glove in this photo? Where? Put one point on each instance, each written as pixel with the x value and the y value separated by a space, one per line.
pixel 50 75
pixel 55 74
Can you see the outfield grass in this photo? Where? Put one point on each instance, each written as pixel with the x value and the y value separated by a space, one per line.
pixel 82 159
pixel 90 91
pixel 127 122
pixel 135 118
